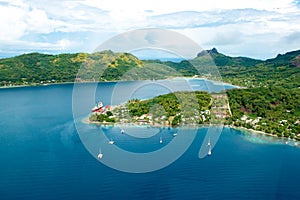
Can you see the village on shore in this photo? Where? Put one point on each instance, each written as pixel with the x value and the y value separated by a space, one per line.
pixel 218 112
pixel 120 114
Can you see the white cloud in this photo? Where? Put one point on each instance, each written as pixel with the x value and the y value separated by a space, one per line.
pixel 12 26
pixel 157 39
pixel 38 22
pixel 24 46
pixel 18 19
pixel 132 8
pixel 232 25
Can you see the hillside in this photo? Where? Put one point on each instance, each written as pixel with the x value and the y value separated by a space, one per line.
pixel 274 110
pixel 279 71
pixel 36 68
pixel 171 109
pixel 270 103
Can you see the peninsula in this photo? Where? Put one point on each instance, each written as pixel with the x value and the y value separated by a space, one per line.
pixel 269 100
pixel 235 108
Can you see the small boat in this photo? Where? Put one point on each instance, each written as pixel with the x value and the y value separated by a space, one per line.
pixel 100 155
pixel 209 147
pixel 122 131
pixel 98 107
pixel 160 140
pixel 209 151
pixel 111 142
pixel 175 134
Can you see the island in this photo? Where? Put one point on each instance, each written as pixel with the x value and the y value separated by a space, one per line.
pixel 174 109
pixel 261 110
pixel 268 100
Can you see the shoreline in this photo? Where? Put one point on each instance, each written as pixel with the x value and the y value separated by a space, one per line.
pixel 220 83
pixel 243 129
pixel 87 121
pixel 116 81
pixel 252 132
pixel 117 124
pixel 35 85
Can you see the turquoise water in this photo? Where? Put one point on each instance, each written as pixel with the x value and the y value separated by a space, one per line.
pixel 43 157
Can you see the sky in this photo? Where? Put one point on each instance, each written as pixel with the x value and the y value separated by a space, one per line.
pixel 254 28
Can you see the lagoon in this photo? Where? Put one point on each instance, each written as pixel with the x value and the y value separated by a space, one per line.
pixel 43 157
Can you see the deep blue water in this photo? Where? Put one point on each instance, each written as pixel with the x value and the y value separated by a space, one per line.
pixel 43 157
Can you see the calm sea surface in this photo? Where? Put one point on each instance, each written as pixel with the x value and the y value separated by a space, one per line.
pixel 42 156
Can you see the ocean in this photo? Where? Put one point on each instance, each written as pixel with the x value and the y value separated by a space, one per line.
pixel 47 152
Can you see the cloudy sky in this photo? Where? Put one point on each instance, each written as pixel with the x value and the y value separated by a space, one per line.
pixel 253 28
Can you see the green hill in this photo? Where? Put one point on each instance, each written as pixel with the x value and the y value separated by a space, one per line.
pixel 283 70
pixel 222 60
pixel 269 103
pixel 36 68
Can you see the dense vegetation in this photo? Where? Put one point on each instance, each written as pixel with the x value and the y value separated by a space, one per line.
pixel 103 117
pixel 273 110
pixel 35 68
pixel 172 109
pixel 280 71
pixel 269 103
pixel 170 103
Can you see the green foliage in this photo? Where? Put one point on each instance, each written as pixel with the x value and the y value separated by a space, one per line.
pixel 177 120
pixel 35 68
pixel 108 113
pixel 279 108
pixel 171 106
pixel 272 94
pixel 280 71
pixel 102 118
pixel 137 107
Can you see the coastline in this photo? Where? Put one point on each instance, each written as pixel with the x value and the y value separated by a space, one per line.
pixel 116 81
pixel 86 120
pixel 243 129
pixel 35 85
pixel 205 79
pixel 59 83
pixel 118 124
pixel 252 132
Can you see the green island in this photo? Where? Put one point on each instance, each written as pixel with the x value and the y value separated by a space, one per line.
pixel 269 100
pixel 174 109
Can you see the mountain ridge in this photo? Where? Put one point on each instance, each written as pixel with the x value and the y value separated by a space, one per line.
pixel 38 68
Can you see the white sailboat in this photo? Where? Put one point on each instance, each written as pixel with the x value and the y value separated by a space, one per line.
pixel 209 151
pixel 111 141
pixel 209 147
pixel 160 140
pixel 100 155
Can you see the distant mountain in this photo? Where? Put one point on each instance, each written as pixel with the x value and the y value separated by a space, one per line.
pixel 223 60
pixel 283 70
pixel 284 59
pixel 36 68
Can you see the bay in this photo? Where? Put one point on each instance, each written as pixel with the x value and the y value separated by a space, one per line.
pixel 43 157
